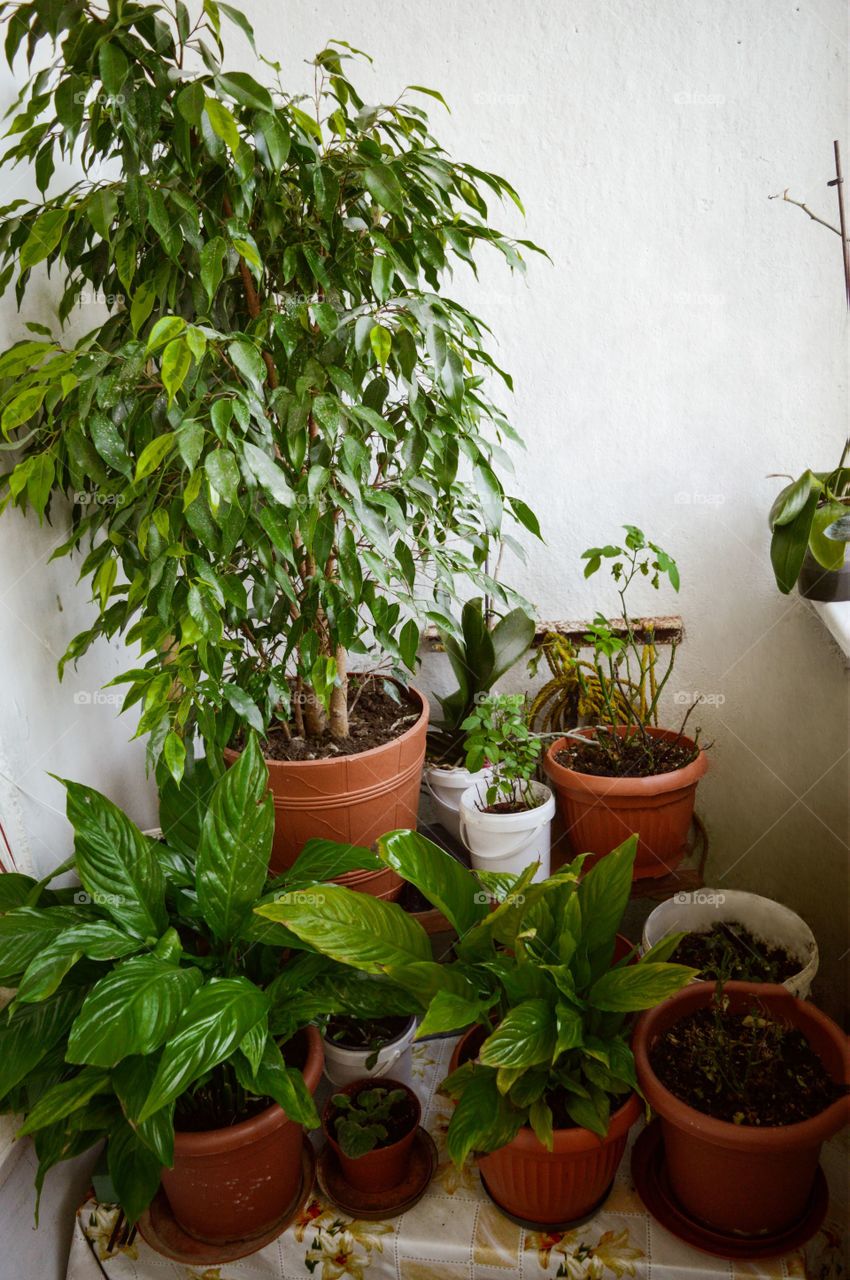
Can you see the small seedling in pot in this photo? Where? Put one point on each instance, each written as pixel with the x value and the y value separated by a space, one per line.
pixel 497 734
pixel 365 1120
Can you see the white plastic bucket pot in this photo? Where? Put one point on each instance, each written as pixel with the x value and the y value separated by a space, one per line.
pixel 344 1066
pixel 765 919
pixel 507 841
pixel 445 787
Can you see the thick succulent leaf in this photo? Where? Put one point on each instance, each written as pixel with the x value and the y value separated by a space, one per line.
pixel 211 1027
pixel 436 874
pixel 788 546
pixel 116 863
pixel 132 1010
pixel 352 927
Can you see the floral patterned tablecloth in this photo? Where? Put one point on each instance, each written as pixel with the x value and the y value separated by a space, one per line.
pixel 455 1231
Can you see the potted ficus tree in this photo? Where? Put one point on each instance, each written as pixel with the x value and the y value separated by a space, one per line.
pixel 151 1007
pixel 505 818
pixel 544 1081
pixel 623 773
pixel 810 530
pixel 278 443
pixel 479 656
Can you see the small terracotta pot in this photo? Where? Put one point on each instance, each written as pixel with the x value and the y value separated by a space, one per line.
pixel 742 1178
pixel 560 1185
pixel 349 799
pixel 383 1168
pixel 234 1184
pixel 600 813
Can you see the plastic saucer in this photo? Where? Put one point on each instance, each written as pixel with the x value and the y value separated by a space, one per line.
pixel 374 1206
pixel 653 1187
pixel 161 1230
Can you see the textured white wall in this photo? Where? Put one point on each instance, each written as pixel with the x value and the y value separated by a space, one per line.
pixel 687 339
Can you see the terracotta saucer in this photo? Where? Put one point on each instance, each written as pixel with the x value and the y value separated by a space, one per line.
pixel 547 1226
pixel 653 1187
pixel 160 1229
pixel 375 1206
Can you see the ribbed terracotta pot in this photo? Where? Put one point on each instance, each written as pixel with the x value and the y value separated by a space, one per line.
pixel 600 813
pixel 742 1178
pixel 349 799
pixel 383 1168
pixel 236 1183
pixel 555 1186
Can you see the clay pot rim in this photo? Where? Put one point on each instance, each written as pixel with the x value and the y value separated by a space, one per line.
pixel 722 1133
pixel 206 1142
pixel 230 753
pixel 572 1141
pixel 370 1083
pixel 598 784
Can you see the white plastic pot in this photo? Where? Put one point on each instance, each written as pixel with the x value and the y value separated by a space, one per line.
pixel 765 919
pixel 344 1066
pixel 507 841
pixel 445 787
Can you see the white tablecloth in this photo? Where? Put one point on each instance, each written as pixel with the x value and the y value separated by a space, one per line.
pixel 455 1232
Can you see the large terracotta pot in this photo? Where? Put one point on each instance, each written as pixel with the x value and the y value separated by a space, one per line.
pixel 742 1178
pixel 385 1167
pixel 349 799
pixel 600 813
pixel 560 1185
pixel 236 1183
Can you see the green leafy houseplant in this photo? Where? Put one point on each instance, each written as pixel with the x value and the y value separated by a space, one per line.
pixel 278 444
pixel 536 973
pixel 624 685
pixel 805 518
pixel 497 735
pixel 150 998
pixel 360 1121
pixel 479 656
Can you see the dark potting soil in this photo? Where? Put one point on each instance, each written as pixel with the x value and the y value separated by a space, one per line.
pixel 221 1103
pixel 729 952
pixel 506 806
pixel 631 759
pixel 375 718
pixel 744 1068
pixel 352 1033
pixel 399 1123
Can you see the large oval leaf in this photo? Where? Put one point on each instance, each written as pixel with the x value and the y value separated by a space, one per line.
pixel 25 932
pixel 354 928
pixel 217 1018
pixel 131 1010
pixel 525 1036
pixel 31 1032
pixel 236 840
pixel 116 863
pixel 436 874
pixel 639 986
pixel 96 939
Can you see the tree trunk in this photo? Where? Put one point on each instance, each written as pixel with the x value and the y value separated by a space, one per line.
pixel 339 697
pixel 315 720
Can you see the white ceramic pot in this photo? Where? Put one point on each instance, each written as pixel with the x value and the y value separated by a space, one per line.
pixel 344 1066
pixel 765 919
pixel 507 841
pixel 445 787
